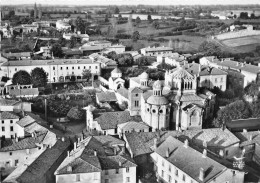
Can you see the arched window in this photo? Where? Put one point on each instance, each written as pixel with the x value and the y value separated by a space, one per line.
pixel 154 111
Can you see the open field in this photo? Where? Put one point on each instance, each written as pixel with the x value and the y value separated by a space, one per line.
pixel 243 44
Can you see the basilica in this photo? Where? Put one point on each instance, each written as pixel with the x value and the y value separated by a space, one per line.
pixel 174 103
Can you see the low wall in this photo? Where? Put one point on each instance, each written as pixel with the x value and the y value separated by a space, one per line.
pixel 237 34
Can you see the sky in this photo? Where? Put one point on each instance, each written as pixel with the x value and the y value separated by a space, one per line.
pixel 128 2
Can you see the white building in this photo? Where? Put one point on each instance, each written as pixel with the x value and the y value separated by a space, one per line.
pixel 175 161
pixel 116 81
pixel 173 59
pixel 62 25
pixel 14 105
pixel 97 159
pixel 59 70
pixel 208 77
pixel 118 48
pixel 8 126
pixel 153 51
pixel 251 72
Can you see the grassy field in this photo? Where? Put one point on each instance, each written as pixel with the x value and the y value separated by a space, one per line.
pixel 243 44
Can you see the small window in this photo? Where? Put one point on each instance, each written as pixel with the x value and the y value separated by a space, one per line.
pixel 67 68
pixel 77 177
pixel 15 69
pixel 117 171
pixel 136 95
pixel 3 129
pixel 169 179
pixel 16 162
pixel 161 111
pixel 154 110
pixel 11 121
pixel 90 67
pixel 162 163
pixel 216 80
pixel 96 67
pixel 127 179
pixel 106 180
pixel 170 168
pixel 127 169
pixel 78 67
pixel 72 67
pixel 183 177
pixel 60 68
pixel 3 121
pixel 84 67
pixel 176 172
pixel 10 153
pixel 162 173
pixel 11 128
pixel 53 68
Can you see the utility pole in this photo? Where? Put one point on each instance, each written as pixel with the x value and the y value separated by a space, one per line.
pixel 45 105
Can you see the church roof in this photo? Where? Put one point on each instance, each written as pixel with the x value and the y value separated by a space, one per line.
pixel 144 75
pixel 157 100
pixel 181 73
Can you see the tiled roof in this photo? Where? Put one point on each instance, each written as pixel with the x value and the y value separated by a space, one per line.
pixel 195 68
pixel 238 66
pixel 8 115
pixel 106 97
pixel 26 120
pixel 41 166
pixel 189 160
pixel 181 73
pixel 116 70
pixel 48 62
pixel 110 120
pixel 123 92
pixel 142 142
pixel 190 98
pixel 28 91
pixel 250 123
pixel 83 159
pixel 244 137
pixel 133 125
pixel 22 144
pixel 112 162
pixel 7 102
pixel 20 54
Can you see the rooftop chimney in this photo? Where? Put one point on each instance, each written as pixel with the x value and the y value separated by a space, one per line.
pixel 202 174
pixel 167 153
pixel 120 163
pixel 75 145
pixel 221 152
pixel 16 139
pixel 69 169
pixel 186 143
pixel 68 153
pixel 115 151
pixel 155 143
pixel 95 153
pixel 63 139
pixel 204 153
pixel 244 130
pixel 250 137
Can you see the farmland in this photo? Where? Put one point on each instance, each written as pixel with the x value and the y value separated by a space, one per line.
pixel 243 44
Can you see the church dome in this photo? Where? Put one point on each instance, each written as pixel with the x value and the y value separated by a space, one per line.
pixel 116 71
pixel 144 76
pixel 157 85
pixel 157 100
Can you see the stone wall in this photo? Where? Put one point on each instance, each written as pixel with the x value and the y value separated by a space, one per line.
pixel 237 34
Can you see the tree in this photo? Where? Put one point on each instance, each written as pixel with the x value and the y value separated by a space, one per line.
pixel 86 74
pixel 26 47
pixel 149 18
pixel 73 42
pixel 257 50
pixel 80 24
pixel 137 21
pixel 117 10
pixel 252 16
pixel 244 15
pixel 210 48
pixel 236 110
pixel 22 78
pixel 142 61
pixel 119 16
pixel 56 50
pixel 156 24
pixel 32 13
pixel 106 18
pixel 136 36
pixel 125 59
pixel 39 77
pixel 112 55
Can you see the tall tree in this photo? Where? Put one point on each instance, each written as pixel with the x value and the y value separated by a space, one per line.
pixel 137 21
pixel 22 78
pixel 156 24
pixel 56 50
pixel 135 36
pixel 39 77
pixel 149 18
pixel 117 10
pixel 86 74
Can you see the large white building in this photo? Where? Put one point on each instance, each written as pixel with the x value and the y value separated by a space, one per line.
pixel 175 161
pixel 251 72
pixel 59 70
pixel 153 51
